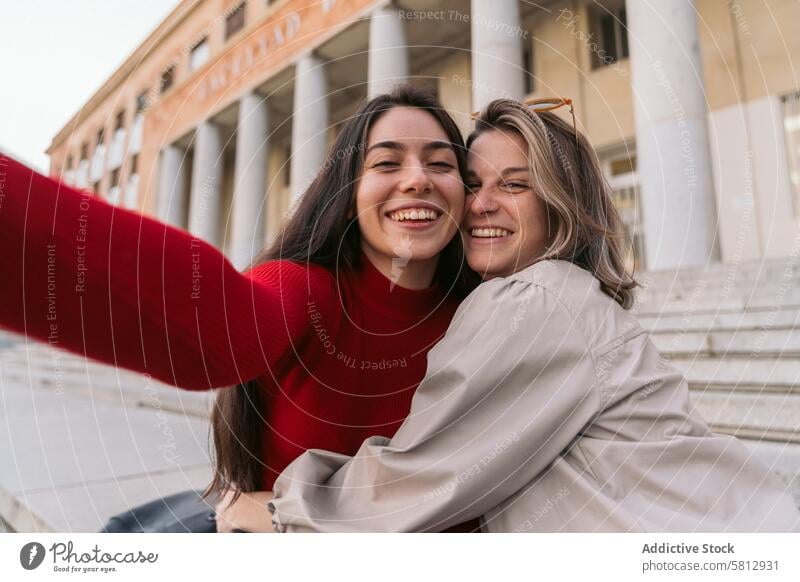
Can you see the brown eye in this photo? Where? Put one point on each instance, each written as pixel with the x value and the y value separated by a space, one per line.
pixel 443 166
pixel 515 186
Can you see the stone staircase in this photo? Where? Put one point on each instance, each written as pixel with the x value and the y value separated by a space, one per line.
pixel 734 331
pixel 86 441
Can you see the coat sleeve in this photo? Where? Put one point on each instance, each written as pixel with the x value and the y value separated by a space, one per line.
pixel 130 291
pixel 507 390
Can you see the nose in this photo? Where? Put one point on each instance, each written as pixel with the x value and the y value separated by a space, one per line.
pixel 416 180
pixel 482 202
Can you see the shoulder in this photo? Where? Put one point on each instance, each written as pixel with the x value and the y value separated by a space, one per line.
pixel 561 295
pixel 560 280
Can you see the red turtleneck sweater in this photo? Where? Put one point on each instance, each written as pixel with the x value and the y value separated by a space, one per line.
pixel 338 355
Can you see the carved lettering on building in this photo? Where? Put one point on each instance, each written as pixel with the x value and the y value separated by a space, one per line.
pixel 247 56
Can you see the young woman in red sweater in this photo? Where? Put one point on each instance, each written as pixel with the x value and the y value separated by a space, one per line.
pixel 322 342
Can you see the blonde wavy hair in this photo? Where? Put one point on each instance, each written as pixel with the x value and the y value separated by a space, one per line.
pixel 585 227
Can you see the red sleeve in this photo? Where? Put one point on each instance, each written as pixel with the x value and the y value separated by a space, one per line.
pixel 130 291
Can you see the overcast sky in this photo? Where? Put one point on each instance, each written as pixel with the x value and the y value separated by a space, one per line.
pixel 55 55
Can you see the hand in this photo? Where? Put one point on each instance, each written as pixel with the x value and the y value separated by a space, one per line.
pixel 249 512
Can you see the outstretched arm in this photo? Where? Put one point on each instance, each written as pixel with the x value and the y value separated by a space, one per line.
pixel 133 292
pixel 507 390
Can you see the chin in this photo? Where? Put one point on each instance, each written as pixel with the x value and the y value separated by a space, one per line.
pixel 485 268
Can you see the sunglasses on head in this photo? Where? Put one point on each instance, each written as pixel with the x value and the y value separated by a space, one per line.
pixel 547 104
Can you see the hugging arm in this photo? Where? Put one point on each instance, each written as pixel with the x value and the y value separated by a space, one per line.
pixel 505 393
pixel 130 291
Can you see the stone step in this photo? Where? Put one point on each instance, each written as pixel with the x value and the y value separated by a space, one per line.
pixel 688 282
pixel 779 373
pixel 766 416
pixel 70 461
pixel 717 305
pixel 751 343
pixel 39 365
pixel 782 459
pixel 139 393
pixel 778 268
pixel 745 388
pixel 748 320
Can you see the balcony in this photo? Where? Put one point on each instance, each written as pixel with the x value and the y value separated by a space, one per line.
pixel 136 134
pixel 116 151
pixel 132 192
pixel 98 163
pixel 82 174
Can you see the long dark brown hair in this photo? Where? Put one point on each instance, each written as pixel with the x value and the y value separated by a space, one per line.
pixel 322 230
pixel 585 227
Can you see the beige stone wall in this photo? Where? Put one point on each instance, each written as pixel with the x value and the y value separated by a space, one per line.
pixel 749 50
pixel 455 88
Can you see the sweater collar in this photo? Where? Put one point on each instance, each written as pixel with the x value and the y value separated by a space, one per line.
pixel 381 294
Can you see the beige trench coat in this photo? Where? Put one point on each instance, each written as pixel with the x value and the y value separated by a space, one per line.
pixel 546 408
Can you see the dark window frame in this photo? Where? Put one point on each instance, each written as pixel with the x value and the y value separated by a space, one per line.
pixel 608 27
pixel 235 20
pixel 142 101
pixel 167 79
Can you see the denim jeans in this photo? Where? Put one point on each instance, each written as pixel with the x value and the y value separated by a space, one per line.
pixel 184 512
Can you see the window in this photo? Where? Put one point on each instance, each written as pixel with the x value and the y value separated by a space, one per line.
pixel 134 164
pixel 115 178
pixel 620 171
pixel 199 54
pixel 84 151
pixel 101 135
pixel 287 175
pixel 167 78
pixel 141 102
pixel 791 132
pixel 234 22
pixel 527 64
pixel 609 30
pixel 120 122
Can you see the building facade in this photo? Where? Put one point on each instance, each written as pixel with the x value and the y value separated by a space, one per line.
pixel 224 113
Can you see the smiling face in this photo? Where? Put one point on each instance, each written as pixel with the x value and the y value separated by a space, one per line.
pixel 505 222
pixel 410 196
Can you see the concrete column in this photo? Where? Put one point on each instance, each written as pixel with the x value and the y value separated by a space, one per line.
pixel 204 208
pixel 309 122
pixel 172 186
pixel 497 67
pixel 672 149
pixel 388 51
pixel 250 180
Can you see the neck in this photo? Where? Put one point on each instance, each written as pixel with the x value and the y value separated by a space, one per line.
pixel 409 274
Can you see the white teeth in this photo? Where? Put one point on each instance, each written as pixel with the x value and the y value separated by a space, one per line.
pixel 414 214
pixel 489 232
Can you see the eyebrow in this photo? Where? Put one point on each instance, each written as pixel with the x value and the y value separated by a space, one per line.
pixel 508 171
pixel 396 145
pixel 504 173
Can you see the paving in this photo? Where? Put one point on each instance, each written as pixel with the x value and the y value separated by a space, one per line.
pixel 85 445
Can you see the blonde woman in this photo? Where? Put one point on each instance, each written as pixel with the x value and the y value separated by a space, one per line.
pixel 546 407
